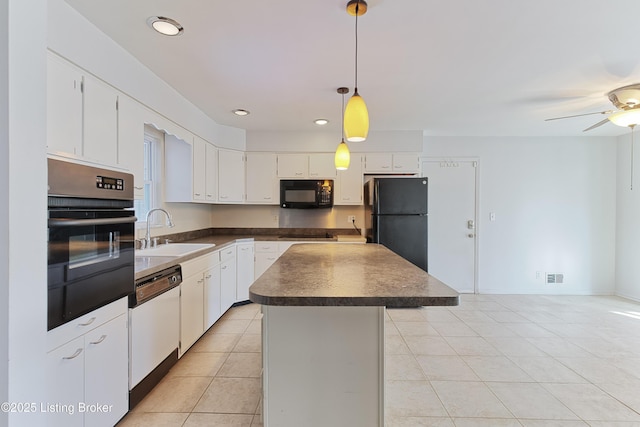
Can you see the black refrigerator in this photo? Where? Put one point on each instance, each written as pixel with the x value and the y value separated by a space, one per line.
pixel 396 216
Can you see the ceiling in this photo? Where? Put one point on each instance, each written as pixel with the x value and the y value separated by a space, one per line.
pixel 446 67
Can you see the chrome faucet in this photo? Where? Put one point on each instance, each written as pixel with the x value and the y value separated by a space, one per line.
pixel 147 239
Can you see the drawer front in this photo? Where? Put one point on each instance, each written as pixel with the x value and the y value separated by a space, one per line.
pixel 227 253
pixel 266 246
pixel 198 265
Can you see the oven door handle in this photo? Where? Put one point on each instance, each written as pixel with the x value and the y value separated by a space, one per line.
pixel 72 222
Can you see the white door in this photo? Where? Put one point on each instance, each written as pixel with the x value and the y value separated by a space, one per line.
pixel 452 222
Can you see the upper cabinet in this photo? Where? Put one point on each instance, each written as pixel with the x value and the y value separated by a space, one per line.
pixel 322 165
pixel 64 107
pixel 82 114
pixel 303 166
pixel 392 163
pixel 349 187
pixel 293 166
pixel 262 178
pixel 230 176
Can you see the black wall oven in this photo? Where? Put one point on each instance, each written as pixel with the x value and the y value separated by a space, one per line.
pixel 91 259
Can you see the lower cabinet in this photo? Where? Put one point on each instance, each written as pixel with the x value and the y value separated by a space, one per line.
pixel 227 278
pixel 212 306
pixel 191 310
pixel 244 269
pixel 266 254
pixel 87 374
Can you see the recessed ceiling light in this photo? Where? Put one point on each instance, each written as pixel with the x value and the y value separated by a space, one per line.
pixel 321 122
pixel 240 112
pixel 165 26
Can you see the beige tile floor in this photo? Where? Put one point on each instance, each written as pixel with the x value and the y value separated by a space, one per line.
pixel 494 360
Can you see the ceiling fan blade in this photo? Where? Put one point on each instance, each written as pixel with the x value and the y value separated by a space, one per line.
pixel 579 115
pixel 596 125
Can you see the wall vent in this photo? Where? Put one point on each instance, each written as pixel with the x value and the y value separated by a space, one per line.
pixel 555 278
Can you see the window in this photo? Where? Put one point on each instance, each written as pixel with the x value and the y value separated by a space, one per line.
pixel 153 140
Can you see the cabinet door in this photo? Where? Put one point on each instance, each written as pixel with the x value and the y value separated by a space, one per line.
pixel 199 168
pixel 191 311
pixel 64 107
pixel 322 165
pixel 244 270
pixel 263 262
pixel 262 178
pixel 65 383
pixel 227 283
pixel 293 165
pixel 212 309
pixel 406 163
pixel 230 176
pixel 211 173
pixel 378 162
pixel 100 126
pixel 107 372
pixel 131 141
pixel 350 183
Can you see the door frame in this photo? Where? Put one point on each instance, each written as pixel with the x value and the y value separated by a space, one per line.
pixel 476 210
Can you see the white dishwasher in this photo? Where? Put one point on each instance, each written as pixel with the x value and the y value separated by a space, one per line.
pixel 154 331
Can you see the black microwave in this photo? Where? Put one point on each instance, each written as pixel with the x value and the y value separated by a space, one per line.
pixel 306 193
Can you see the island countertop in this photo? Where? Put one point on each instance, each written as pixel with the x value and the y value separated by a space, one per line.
pixel 348 275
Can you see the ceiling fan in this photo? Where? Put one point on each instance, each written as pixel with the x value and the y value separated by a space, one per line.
pixel 626 99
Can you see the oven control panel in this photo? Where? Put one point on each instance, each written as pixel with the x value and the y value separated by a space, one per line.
pixel 108 183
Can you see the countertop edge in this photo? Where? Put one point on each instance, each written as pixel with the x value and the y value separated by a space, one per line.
pixel 386 301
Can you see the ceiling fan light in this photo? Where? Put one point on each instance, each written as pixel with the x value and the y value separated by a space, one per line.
pixel 626 118
pixel 343 157
pixel 356 119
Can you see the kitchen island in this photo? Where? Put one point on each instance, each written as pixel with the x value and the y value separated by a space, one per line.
pixel 323 330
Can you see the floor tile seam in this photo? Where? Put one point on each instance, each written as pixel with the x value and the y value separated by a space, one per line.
pixel 598 385
pixel 222 413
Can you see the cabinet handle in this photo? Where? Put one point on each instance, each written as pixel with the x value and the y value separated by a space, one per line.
pixel 346 198
pixel 207 276
pixel 224 267
pixel 299 174
pixel 138 188
pixel 385 167
pixel 201 281
pixel 224 197
pixel 74 355
pixel 197 194
pixel 90 321
pixel 209 195
pixel 102 338
pixel 397 167
pixel 267 198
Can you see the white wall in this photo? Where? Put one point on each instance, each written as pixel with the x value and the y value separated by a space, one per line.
pixel 628 220
pixel 23 277
pixel 555 205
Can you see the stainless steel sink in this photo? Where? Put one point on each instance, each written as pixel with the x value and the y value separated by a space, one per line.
pixel 173 249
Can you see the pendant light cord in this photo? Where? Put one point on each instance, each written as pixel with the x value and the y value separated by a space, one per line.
pixel 356 79
pixel 342 122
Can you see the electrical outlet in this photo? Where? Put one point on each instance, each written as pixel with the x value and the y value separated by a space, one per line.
pixel 351 219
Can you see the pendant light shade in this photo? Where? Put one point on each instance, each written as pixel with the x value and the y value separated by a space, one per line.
pixel 626 118
pixel 356 119
pixel 342 158
pixel 356 116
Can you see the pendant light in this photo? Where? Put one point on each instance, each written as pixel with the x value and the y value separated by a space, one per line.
pixel 342 157
pixel 356 116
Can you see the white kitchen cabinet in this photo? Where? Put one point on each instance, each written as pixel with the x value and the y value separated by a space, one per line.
pixel 211 173
pixel 406 163
pixel 191 311
pixel 322 165
pixel 293 166
pixel 245 264
pixel 199 171
pixel 107 345
pixel 231 176
pixel 266 253
pixel 227 278
pixel 64 107
pixel 349 187
pixel 212 307
pixel 131 141
pixel 100 125
pixel 82 115
pixel 392 163
pixel 262 178
pixel 87 362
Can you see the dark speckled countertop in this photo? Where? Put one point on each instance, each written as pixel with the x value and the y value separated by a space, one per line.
pixel 345 275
